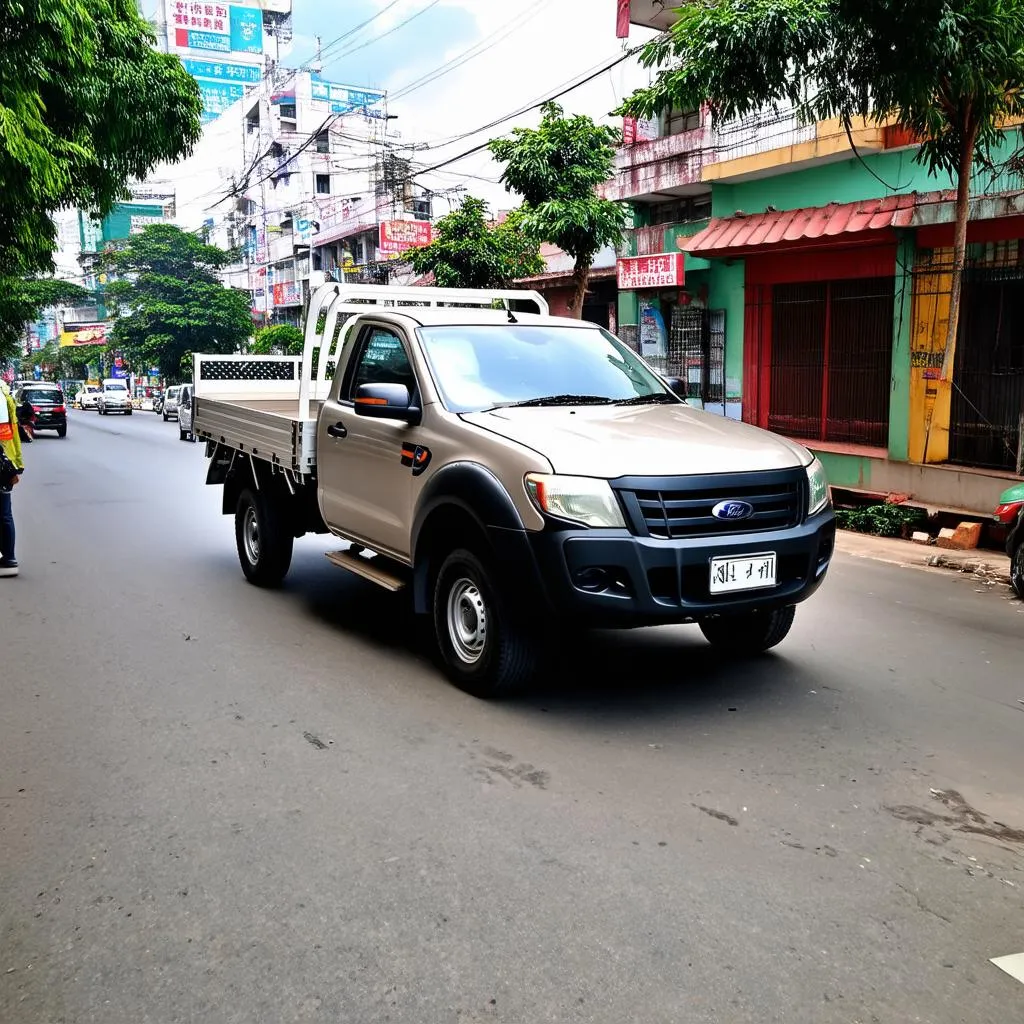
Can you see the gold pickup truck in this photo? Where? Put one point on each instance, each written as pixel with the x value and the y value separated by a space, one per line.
pixel 516 472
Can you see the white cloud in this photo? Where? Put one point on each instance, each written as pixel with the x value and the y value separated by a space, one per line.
pixel 555 41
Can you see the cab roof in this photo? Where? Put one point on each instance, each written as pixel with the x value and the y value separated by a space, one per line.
pixel 461 316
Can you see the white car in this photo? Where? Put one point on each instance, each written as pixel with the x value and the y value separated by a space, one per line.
pixel 114 397
pixel 88 396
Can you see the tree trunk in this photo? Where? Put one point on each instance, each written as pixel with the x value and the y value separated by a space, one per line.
pixel 580 278
pixel 963 209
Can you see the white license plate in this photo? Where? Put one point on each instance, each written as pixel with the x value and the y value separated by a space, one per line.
pixel 746 572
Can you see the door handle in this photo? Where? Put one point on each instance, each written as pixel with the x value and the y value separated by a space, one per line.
pixel 338 430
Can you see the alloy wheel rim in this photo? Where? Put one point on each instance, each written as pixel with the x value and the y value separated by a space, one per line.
pixel 467 621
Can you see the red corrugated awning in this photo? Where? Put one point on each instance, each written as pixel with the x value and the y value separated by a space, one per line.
pixel 743 234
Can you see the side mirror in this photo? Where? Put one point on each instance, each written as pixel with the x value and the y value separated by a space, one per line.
pixel 677 386
pixel 387 402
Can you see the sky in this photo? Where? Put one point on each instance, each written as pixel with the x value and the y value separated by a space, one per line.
pixel 527 49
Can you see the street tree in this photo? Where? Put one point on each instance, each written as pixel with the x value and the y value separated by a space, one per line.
pixel 951 72
pixel 169 301
pixel 556 168
pixel 23 299
pixel 277 340
pixel 469 251
pixel 86 104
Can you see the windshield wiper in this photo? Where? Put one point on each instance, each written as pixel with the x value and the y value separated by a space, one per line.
pixel 659 398
pixel 556 400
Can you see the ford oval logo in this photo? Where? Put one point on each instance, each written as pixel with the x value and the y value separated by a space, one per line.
pixel 733 510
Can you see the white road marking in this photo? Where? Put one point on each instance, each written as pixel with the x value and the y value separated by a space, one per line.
pixel 1013 965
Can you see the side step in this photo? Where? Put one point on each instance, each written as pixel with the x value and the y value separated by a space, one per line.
pixel 377 569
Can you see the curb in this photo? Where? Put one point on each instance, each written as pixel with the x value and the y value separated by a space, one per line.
pixel 910 555
pixel 971 566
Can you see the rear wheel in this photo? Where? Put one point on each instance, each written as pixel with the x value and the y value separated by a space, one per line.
pixel 128 412
pixel 750 633
pixel 62 431
pixel 1017 568
pixel 181 435
pixel 263 539
pixel 484 648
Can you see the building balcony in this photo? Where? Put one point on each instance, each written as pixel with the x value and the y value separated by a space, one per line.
pixel 656 14
pixel 652 170
pixel 280 247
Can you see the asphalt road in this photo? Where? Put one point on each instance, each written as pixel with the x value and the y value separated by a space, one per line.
pixel 230 806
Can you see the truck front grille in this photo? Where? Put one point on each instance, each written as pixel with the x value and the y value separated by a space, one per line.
pixel 675 508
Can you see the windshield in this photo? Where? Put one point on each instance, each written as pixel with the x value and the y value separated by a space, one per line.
pixel 173 392
pixel 114 387
pixel 495 365
pixel 44 395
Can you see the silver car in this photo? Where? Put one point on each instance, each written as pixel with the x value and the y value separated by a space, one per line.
pixel 171 396
pixel 185 414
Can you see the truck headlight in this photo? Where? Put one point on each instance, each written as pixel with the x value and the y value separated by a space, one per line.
pixel 817 488
pixel 582 499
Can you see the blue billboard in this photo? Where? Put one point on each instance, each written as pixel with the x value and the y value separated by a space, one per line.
pixel 344 99
pixel 246 30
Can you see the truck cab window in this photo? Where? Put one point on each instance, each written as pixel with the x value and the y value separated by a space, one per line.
pixel 383 360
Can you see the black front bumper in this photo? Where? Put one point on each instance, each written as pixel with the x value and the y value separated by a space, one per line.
pixel 654 581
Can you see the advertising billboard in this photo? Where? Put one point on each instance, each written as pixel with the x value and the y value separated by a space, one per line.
pixel 401 235
pixel 344 99
pixel 214 28
pixel 83 334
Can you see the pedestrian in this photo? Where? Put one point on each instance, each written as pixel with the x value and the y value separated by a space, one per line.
pixel 11 468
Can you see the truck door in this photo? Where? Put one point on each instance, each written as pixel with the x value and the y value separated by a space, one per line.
pixel 365 490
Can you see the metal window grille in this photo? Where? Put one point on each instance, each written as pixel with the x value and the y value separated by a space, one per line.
pixel 831 360
pixel 696 352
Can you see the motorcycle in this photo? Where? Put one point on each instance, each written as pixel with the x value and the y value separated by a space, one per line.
pixel 1010 512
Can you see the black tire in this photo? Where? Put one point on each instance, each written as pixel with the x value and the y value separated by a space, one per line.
pixel 266 554
pixel 181 435
pixel 1017 568
pixel 62 431
pixel 166 417
pixel 507 656
pixel 750 633
pixel 128 412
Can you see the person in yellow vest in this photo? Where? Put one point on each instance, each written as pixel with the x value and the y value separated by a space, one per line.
pixel 11 468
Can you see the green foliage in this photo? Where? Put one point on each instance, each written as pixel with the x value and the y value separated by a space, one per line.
pixel 61 363
pixel 170 301
pixel 556 168
pixel 86 104
pixel 22 299
pixel 277 339
pixel 950 71
pixel 882 520
pixel 467 252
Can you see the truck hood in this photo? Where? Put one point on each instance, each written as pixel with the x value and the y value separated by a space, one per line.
pixel 612 441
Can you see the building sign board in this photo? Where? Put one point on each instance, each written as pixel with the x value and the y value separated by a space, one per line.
pixel 344 99
pixel 214 27
pixel 402 235
pixel 664 270
pixel 84 334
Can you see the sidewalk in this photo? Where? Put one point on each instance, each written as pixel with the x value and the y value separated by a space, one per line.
pixel 992 565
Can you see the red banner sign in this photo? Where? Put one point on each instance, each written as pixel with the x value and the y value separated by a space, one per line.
pixel 622 19
pixel 401 235
pixel 664 270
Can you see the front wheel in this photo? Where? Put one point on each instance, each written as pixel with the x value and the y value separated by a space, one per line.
pixel 484 648
pixel 1017 568
pixel 264 542
pixel 128 412
pixel 750 633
